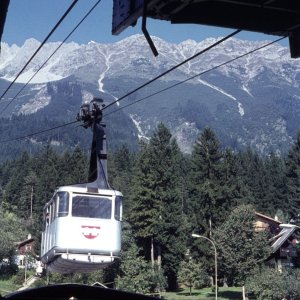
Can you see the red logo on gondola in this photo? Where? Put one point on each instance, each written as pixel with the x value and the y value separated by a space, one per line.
pixel 90 232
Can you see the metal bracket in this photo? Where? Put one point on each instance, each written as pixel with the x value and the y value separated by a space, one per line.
pixel 91 115
pixel 145 31
pixel 91 112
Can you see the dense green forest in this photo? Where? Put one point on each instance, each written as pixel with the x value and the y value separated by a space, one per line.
pixel 168 196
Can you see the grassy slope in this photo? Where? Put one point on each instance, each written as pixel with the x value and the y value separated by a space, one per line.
pixel 231 293
pixel 7 287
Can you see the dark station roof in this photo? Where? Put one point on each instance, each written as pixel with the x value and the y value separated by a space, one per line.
pixel 3 12
pixel 276 17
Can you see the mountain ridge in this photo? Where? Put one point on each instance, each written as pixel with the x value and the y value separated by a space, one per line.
pixel 254 101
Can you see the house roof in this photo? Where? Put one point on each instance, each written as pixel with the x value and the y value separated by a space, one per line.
pixel 267 218
pixel 286 231
pixel 25 242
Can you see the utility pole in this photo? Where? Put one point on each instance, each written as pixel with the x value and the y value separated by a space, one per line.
pixel 216 261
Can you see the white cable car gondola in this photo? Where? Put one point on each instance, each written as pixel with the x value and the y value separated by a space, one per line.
pixel 82 222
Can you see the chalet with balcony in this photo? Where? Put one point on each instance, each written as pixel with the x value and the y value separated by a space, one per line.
pixel 285 241
pixel 264 222
pixel 286 247
pixel 25 249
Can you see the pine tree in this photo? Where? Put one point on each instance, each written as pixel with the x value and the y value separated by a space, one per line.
pixel 12 194
pixel 11 230
pixel 156 214
pixel 47 164
pixel 240 248
pixel 144 211
pixel 72 167
pixel 276 186
pixel 293 178
pixel 192 274
pixel 234 191
pixel 27 198
pixel 172 227
pixel 206 192
pixel 120 169
pixel 263 180
pixel 135 272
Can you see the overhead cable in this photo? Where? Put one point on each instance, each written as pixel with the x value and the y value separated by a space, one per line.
pixel 157 77
pixel 42 131
pixel 175 67
pixel 37 133
pixel 41 45
pixel 194 76
pixel 86 15
pixel 156 93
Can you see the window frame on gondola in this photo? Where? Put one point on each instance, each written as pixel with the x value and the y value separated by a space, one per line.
pixel 118 214
pixel 83 206
pixel 62 200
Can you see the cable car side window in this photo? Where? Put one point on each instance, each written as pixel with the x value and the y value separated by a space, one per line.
pixel 46 218
pixel 52 211
pixel 63 203
pixel 91 207
pixel 118 208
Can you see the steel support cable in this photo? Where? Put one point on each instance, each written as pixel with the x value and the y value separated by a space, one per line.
pixel 175 67
pixel 156 93
pixel 194 76
pixel 41 45
pixel 41 131
pixel 38 132
pixel 86 15
pixel 142 86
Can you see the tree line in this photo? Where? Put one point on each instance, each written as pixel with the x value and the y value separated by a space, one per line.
pixel 213 192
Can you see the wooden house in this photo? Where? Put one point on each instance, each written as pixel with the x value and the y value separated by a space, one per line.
pixel 25 249
pixel 284 241
pixel 286 247
pixel 264 222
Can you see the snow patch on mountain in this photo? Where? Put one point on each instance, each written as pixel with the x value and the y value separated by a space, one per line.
pixel 218 89
pixel 184 134
pixel 132 57
pixel 107 63
pixel 38 78
pixel 256 83
pixel 38 71
pixel 87 97
pixel 40 100
pixel 280 127
pixel 246 89
pixel 137 123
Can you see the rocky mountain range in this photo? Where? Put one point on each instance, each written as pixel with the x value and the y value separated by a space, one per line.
pixel 252 102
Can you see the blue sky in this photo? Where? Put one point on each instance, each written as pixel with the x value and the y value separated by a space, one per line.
pixel 35 18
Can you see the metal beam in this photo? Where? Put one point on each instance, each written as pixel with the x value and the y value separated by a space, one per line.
pixel 3 12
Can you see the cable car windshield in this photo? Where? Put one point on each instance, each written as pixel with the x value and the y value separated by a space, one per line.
pixel 91 207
